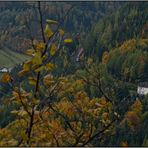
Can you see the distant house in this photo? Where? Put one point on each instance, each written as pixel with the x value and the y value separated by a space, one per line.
pixel 142 88
pixel 4 69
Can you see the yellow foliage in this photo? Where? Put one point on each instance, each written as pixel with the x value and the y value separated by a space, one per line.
pixel 103 101
pixel 26 66
pixel 40 46
pixel 14 112
pixel 48 80
pixel 41 68
pixel 37 59
pixel 127 45
pixel 48 31
pixel 9 136
pixel 22 73
pixel 137 106
pixel 51 21
pixel 78 84
pixel 67 40
pixel 89 61
pixel 5 78
pixel 53 49
pixel 15 94
pixel 80 95
pixel 56 128
pixel 22 113
pixel 105 57
pixel 29 52
pixel 61 32
pixel 32 81
pixel 62 108
pixel 66 107
pixel 105 116
pixel 26 94
pixel 133 120
pixel 35 66
pixel 49 66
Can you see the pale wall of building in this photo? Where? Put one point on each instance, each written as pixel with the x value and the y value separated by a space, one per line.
pixel 142 90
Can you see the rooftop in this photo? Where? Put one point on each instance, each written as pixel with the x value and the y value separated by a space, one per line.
pixel 143 84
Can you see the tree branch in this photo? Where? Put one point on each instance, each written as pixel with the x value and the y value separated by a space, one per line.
pixel 98 133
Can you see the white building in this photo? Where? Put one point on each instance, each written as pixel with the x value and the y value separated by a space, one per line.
pixel 142 88
pixel 5 70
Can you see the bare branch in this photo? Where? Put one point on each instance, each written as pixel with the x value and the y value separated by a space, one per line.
pixel 99 133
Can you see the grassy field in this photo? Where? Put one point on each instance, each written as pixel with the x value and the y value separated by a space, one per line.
pixel 10 59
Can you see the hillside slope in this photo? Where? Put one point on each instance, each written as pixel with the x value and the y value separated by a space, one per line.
pixel 111 31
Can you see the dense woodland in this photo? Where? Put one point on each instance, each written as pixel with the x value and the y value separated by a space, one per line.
pixel 75 71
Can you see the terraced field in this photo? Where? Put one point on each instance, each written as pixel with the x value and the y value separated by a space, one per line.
pixel 9 58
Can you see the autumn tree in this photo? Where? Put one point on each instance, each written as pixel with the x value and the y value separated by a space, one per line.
pixel 54 110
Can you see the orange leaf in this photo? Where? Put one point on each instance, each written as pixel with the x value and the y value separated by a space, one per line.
pixel 6 78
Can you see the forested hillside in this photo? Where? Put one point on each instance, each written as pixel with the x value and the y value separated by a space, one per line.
pixel 79 74
pixel 15 16
pixel 129 61
pixel 124 24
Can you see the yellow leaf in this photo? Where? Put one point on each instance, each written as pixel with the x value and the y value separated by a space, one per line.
pixel 37 59
pixel 39 69
pixel 35 101
pixel 29 62
pixel 103 101
pixel 35 66
pixel 53 49
pixel 67 40
pixel 133 120
pixel 23 135
pixel 32 81
pixel 15 94
pixel 105 57
pixel 44 57
pixel 14 112
pixel 6 78
pixel 22 73
pixel 40 46
pixel 22 113
pixel 105 116
pixel 51 21
pixel 61 32
pixel 26 67
pixel 48 31
pixel 50 66
pixel 48 80
pixel 25 94
pixel 29 52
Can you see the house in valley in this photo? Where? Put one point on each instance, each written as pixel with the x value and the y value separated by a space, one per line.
pixel 142 89
pixel 4 69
